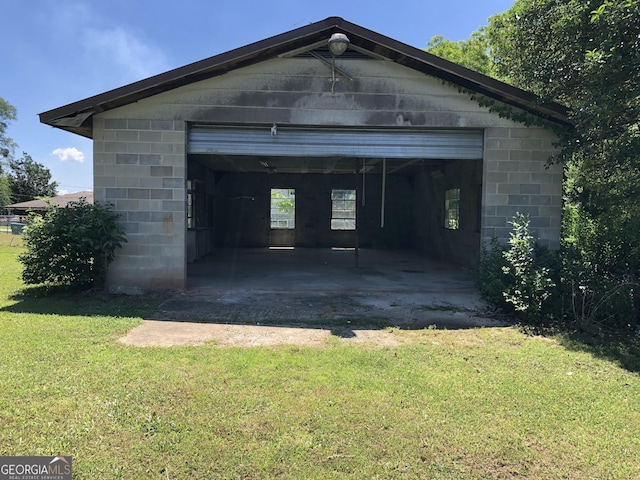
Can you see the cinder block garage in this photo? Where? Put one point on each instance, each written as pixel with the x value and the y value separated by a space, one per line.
pixel 329 135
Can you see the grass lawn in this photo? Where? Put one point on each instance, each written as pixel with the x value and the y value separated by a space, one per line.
pixel 459 404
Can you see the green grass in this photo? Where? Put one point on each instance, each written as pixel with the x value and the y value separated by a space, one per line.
pixel 465 404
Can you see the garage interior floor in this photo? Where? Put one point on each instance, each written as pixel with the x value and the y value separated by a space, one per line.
pixel 320 287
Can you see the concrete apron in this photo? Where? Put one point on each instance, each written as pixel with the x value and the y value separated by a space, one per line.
pixel 316 287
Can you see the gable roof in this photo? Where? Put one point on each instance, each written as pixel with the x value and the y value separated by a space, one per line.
pixel 59 201
pixel 77 117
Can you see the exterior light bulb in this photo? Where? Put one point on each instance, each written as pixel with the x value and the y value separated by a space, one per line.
pixel 338 44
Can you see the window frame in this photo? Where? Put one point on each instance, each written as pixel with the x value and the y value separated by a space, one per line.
pixel 279 220
pixel 194 190
pixel 452 209
pixel 348 221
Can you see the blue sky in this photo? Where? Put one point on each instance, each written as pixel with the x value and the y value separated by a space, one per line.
pixel 55 52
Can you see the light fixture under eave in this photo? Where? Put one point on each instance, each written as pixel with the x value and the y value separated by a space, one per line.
pixel 338 44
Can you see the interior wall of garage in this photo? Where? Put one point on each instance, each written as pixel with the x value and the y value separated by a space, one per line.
pixel 238 211
pixel 242 222
pixel 462 245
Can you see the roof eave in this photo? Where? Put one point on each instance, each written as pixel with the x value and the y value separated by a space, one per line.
pixel 193 72
pixel 77 117
pixel 430 64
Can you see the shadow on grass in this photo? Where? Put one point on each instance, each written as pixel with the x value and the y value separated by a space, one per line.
pixel 340 325
pixel 343 332
pixel 62 301
pixel 621 348
pixel 87 303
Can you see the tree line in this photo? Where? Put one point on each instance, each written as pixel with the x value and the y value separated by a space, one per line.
pixel 21 178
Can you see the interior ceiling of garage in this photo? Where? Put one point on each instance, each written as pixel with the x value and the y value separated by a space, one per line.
pixel 336 165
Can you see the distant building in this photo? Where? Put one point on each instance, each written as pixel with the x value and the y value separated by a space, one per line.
pixel 23 208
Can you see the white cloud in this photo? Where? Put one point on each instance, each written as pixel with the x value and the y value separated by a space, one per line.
pixel 118 51
pixel 102 51
pixel 70 154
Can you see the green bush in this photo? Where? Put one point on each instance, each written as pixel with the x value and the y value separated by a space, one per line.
pixel 587 286
pixel 600 272
pixel 595 299
pixel 529 283
pixel 519 277
pixel 71 246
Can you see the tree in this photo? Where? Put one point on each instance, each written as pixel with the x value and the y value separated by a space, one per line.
pixel 29 179
pixel 5 192
pixel 586 55
pixel 284 201
pixel 474 53
pixel 7 114
pixel 21 179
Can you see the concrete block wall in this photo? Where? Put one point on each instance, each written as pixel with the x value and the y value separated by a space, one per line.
pixel 518 179
pixel 139 167
pixel 140 155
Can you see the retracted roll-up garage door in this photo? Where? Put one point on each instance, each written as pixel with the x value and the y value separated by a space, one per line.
pixel 330 142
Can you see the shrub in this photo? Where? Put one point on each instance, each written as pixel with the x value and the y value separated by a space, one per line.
pixel 71 246
pixel 529 282
pixel 595 299
pixel 600 272
pixel 518 277
pixel 583 287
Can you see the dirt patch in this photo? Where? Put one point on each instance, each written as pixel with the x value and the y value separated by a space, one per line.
pixel 313 320
pixel 160 333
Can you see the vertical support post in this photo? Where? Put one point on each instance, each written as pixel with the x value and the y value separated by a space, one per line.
pixel 333 74
pixel 357 230
pixel 384 190
pixel 364 182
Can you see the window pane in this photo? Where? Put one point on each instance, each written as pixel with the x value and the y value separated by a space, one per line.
pixel 343 209
pixel 340 205
pixel 343 194
pixel 452 209
pixel 344 214
pixel 283 208
pixel 190 222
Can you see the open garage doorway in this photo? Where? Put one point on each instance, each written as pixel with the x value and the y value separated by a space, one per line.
pixel 289 198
